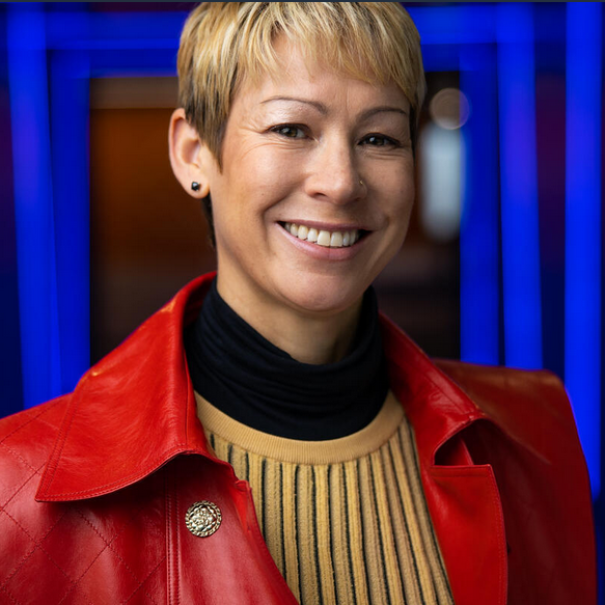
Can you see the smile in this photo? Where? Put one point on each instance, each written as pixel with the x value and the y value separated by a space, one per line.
pixel 321 237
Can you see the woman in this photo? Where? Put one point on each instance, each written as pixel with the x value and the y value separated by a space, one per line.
pixel 267 437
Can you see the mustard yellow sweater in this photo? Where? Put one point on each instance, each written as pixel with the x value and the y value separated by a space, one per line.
pixel 345 520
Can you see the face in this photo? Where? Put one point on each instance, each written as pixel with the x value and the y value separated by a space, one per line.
pixel 316 189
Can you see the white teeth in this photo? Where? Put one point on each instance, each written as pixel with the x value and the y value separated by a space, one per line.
pixel 327 239
pixel 336 240
pixel 323 239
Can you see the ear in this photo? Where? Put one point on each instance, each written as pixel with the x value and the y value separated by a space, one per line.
pixel 187 155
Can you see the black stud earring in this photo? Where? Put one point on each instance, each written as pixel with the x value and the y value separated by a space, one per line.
pixel 195 186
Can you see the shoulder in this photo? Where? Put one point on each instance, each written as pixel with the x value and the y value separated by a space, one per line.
pixel 497 375
pixel 489 385
pixel 531 405
pixel 26 441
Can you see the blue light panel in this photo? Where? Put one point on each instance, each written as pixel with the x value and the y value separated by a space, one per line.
pixel 454 24
pixel 34 216
pixel 479 243
pixel 583 226
pixel 518 189
pixel 119 31
pixel 70 160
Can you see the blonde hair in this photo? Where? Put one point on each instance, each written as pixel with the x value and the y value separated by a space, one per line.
pixel 224 42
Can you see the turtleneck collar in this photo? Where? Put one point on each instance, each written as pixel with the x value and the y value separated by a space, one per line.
pixel 251 380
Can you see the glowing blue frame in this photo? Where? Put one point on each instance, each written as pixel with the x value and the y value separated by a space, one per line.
pixel 519 186
pixel 479 241
pixel 51 196
pixel 34 205
pixel 583 226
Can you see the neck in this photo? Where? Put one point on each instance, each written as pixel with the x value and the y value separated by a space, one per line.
pixel 256 382
pixel 308 338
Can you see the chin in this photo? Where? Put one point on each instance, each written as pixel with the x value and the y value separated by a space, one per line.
pixel 323 295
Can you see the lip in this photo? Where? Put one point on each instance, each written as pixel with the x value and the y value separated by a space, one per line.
pixel 325 253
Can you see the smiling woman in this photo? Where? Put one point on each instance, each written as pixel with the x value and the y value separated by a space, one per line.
pixel 268 436
pixel 323 151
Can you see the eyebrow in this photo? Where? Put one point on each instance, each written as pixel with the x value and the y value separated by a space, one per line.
pixel 324 110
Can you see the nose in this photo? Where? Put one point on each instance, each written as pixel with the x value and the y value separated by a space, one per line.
pixel 333 174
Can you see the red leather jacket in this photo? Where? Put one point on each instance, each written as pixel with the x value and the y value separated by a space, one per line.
pixel 95 485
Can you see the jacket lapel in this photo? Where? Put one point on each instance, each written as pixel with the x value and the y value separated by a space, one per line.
pixel 462 498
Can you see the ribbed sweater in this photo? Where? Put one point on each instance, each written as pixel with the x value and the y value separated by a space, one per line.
pixel 345 520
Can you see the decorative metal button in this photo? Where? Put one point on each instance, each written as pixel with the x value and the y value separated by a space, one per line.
pixel 203 518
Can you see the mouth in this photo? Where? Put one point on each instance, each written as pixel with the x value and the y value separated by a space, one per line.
pixel 323 237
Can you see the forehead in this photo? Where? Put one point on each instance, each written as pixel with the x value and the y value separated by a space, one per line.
pixel 299 75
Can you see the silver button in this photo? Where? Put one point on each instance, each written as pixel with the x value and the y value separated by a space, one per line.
pixel 203 518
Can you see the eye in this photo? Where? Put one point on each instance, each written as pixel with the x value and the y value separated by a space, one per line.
pixel 379 140
pixel 291 131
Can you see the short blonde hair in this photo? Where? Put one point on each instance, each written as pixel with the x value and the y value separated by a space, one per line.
pixel 224 42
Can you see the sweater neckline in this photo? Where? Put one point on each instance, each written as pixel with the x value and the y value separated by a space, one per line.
pixel 296 451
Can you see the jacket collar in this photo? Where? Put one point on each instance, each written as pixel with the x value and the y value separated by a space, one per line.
pixel 437 408
pixel 135 410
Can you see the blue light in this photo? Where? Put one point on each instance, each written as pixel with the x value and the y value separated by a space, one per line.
pixel 441 57
pixel 75 30
pixel 34 213
pixel 479 244
pixel 583 226
pixel 70 165
pixel 454 24
pixel 519 190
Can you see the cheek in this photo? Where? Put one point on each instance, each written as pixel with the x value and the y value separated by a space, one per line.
pixel 276 174
pixel 261 177
pixel 399 189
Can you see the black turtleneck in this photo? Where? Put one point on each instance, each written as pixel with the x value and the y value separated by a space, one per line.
pixel 251 380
